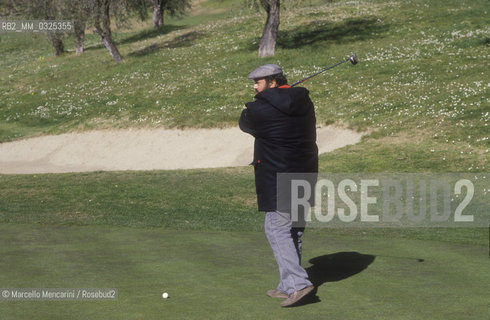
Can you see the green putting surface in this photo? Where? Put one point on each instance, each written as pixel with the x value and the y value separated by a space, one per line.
pixel 224 275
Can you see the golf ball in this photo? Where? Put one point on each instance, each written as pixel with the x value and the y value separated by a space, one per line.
pixel 164 295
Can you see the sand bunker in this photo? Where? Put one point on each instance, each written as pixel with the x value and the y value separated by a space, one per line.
pixel 144 149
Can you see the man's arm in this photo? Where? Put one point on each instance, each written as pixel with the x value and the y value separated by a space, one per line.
pixel 246 122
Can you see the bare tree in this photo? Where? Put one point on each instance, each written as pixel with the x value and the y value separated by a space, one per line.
pixel 76 10
pixel 84 13
pixel 56 40
pixel 101 12
pixel 173 7
pixel 46 10
pixel 158 8
pixel 79 29
pixel 79 12
pixel 268 41
pixel 102 24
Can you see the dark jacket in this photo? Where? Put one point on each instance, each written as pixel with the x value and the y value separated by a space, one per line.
pixel 283 122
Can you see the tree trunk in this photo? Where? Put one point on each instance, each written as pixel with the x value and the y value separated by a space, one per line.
pixel 56 40
pixel 11 7
pixel 157 14
pixel 110 45
pixel 104 30
pixel 79 28
pixel 268 41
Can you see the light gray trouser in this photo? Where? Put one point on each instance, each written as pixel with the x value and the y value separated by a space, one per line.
pixel 285 242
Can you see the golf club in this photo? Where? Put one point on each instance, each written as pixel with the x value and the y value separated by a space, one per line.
pixel 353 59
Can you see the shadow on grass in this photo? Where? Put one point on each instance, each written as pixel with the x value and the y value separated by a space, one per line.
pixel 335 267
pixel 143 35
pixel 185 40
pixel 94 46
pixel 150 33
pixel 322 32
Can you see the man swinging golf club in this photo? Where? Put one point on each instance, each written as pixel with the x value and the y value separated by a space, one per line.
pixel 282 120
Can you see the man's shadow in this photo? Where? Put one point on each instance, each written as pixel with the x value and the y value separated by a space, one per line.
pixel 335 267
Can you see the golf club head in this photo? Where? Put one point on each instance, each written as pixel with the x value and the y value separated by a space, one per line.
pixel 353 59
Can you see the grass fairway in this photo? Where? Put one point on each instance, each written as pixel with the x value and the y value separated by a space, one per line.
pixel 224 275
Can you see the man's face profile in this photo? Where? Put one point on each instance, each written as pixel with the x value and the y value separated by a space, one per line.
pixel 261 85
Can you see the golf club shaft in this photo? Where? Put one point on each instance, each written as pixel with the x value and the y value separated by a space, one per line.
pixel 315 74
